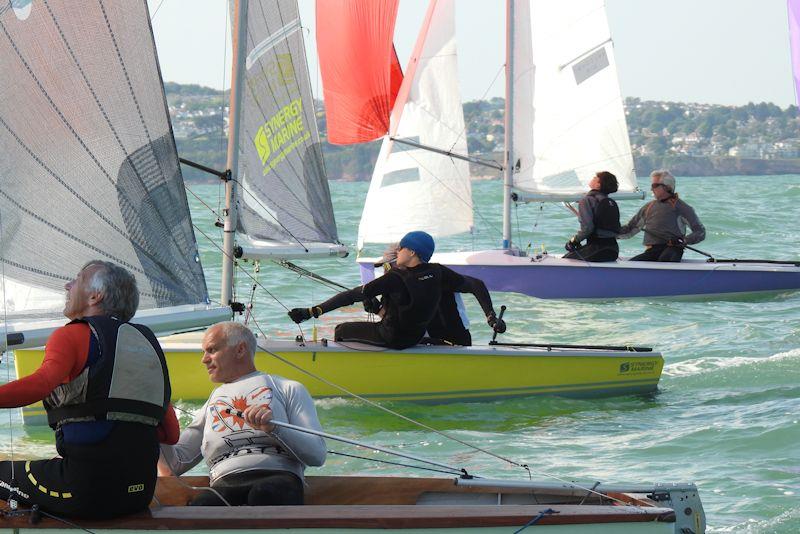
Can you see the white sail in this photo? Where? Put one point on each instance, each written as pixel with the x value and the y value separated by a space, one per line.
pixel 413 188
pixel 89 168
pixel 284 205
pixel 569 121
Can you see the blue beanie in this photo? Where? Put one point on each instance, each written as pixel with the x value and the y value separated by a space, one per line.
pixel 419 242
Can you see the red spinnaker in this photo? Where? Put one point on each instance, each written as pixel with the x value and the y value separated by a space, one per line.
pixel 360 70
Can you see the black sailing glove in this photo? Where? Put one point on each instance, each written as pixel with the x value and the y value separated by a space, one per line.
pixel 572 245
pixel 498 325
pixel 372 305
pixel 298 315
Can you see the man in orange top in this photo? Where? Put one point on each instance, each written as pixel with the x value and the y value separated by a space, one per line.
pixel 106 390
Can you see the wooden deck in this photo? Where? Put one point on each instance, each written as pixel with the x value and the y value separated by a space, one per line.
pixel 376 503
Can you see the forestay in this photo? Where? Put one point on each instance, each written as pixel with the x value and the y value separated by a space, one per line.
pixel 414 188
pixel 569 121
pixel 285 204
pixel 89 168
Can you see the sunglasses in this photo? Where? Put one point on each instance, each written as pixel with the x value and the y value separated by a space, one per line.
pixel 656 186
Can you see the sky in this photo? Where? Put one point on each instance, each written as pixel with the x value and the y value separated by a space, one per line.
pixel 728 52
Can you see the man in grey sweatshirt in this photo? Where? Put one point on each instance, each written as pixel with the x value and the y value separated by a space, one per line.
pixel 664 221
pixel 250 460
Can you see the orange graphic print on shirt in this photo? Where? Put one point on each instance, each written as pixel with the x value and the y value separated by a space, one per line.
pixel 226 412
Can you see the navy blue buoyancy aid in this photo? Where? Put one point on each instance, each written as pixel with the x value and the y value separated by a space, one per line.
pixel 129 380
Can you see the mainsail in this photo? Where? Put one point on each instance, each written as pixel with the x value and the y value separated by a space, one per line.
pixel 793 8
pixel 414 188
pixel 284 207
pixel 360 70
pixel 89 168
pixel 569 121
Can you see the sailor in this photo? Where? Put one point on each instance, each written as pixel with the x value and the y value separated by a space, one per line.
pixel 664 221
pixel 414 289
pixel 106 392
pixel 250 460
pixel 450 324
pixel 599 218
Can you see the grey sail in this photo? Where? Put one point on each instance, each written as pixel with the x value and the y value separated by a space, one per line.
pixel 88 166
pixel 284 202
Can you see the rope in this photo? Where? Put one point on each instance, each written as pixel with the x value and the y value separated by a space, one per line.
pixel 389 462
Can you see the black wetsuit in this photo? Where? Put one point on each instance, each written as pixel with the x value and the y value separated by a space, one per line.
pixel 446 325
pixel 413 299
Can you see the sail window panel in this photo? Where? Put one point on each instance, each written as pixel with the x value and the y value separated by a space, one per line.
pixel 591 65
pixel 95 175
pixel 401 176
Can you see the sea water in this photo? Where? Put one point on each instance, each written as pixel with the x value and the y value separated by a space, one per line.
pixel 727 412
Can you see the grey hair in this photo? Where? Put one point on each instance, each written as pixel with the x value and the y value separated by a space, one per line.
pixel 235 333
pixel 118 287
pixel 666 178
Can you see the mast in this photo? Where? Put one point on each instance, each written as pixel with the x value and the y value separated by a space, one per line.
pixel 239 34
pixel 508 175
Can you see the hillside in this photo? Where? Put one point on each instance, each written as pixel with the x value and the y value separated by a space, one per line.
pixel 690 139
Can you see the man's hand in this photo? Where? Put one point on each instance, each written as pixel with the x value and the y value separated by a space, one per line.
pixel 163 467
pixel 372 305
pixel 298 315
pixel 498 325
pixel 259 417
pixel 677 242
pixel 572 245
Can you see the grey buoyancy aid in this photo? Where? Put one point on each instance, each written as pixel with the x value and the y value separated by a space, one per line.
pixel 424 286
pixel 128 381
pixel 606 219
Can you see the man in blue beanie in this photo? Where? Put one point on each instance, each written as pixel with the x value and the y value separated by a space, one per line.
pixel 412 296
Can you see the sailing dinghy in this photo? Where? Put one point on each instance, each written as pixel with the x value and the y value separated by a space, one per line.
pixel 65 91
pixel 274 149
pixel 564 122
pixel 397 504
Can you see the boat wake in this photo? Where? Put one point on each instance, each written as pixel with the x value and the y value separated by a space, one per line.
pixel 714 364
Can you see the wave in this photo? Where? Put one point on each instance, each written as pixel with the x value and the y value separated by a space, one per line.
pixel 700 366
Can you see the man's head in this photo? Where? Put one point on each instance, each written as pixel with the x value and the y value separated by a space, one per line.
pixel 229 351
pixel 415 247
pixel 102 288
pixel 662 184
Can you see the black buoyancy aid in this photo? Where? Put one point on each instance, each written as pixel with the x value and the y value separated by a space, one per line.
pixel 424 286
pixel 606 217
pixel 128 381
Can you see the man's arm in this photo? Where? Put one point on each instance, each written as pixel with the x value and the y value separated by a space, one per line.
pixel 179 458
pixel 62 357
pixel 634 225
pixel 300 410
pixel 479 290
pixel 169 429
pixel 693 221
